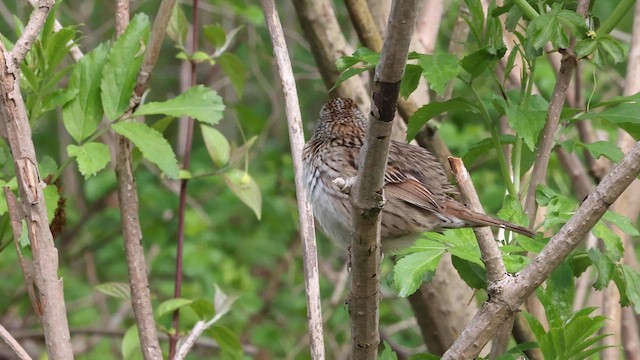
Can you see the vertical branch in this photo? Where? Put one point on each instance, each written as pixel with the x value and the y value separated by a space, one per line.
pixel 296 138
pixel 367 197
pixel 132 232
pixel 547 139
pixel 15 128
pixel 173 339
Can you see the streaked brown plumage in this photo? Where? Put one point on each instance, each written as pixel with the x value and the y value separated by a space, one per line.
pixel 416 188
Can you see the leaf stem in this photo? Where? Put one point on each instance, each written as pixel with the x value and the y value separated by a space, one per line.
pixel 624 6
pixel 502 160
pixel 529 12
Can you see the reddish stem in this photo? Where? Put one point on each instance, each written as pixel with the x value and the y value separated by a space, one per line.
pixel 173 338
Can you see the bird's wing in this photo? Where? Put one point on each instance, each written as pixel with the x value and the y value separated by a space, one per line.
pixel 416 177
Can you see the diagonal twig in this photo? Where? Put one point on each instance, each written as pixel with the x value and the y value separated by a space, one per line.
pixel 514 290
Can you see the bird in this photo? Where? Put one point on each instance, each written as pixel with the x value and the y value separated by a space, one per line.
pixel 417 192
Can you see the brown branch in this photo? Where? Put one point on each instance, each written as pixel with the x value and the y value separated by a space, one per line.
pixel 16 217
pixel 132 232
pixel 367 198
pixel 490 253
pixel 514 290
pixel 296 138
pixel 548 133
pixel 14 345
pixel 362 20
pixel 153 48
pixel 31 31
pixel 16 129
pixel 565 73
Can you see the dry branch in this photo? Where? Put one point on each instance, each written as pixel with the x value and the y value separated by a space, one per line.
pixel 514 290
pixel 16 129
pixel 296 138
pixel 367 198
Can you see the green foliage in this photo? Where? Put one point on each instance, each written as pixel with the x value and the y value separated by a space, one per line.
pixel 198 102
pixel 243 185
pixel 429 111
pixel 82 114
pixel 91 157
pixel 122 66
pixel 216 144
pixel 552 26
pixel 572 339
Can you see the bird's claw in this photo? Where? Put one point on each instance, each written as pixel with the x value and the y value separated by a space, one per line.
pixel 345 184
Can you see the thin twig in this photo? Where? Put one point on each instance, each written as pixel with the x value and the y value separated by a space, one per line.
pixel 516 289
pixel 13 344
pixel 132 232
pixel 490 253
pixel 296 138
pixel 182 202
pixel 31 31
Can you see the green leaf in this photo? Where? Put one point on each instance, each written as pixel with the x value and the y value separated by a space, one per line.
pixel 480 60
pixel 409 271
pixel 476 22
pixel 217 145
pixel 130 347
pixel 203 307
pixel 117 290
pixel 558 295
pixel 410 80
pixel 473 274
pixel 484 146
pixel 605 267
pixel 428 111
pixel 152 145
pixel 178 27
pixel 612 242
pixel 82 114
pixel 227 340
pixel 439 70
pixel 526 123
pixel 622 222
pixel 47 166
pixel 608 149
pixel 122 67
pixel 201 56
pixel 626 115
pixel 198 102
pixel 235 70
pixel 171 305
pixel 91 157
pixel 512 211
pixel 388 353
pixel 243 185
pixel 350 73
pixel 51 197
pixel 632 291
pixel 57 48
pixel 514 262
pixel 215 35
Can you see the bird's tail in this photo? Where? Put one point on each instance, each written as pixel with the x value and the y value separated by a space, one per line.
pixel 476 219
